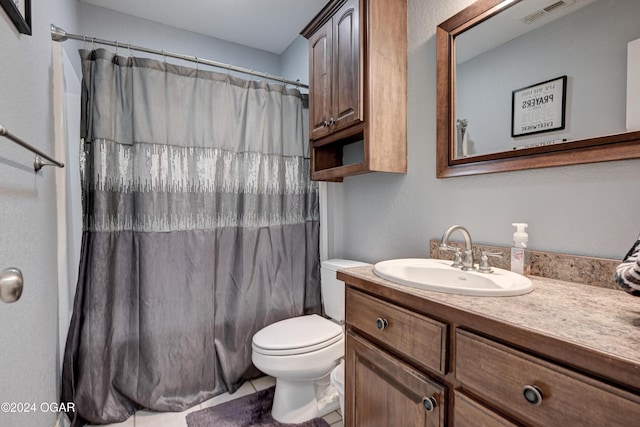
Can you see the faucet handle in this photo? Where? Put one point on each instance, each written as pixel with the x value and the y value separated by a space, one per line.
pixel 457 258
pixel 484 266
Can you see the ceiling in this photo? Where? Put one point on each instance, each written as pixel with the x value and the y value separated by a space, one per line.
pixel 510 23
pixel 269 25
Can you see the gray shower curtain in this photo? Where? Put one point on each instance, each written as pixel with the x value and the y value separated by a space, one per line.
pixel 201 226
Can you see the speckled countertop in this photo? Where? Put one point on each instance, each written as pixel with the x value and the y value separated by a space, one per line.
pixel 603 320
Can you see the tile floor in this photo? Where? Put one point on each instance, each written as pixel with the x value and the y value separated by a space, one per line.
pixel 144 418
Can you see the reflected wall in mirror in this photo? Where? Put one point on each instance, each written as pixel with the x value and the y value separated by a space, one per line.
pixel 492 49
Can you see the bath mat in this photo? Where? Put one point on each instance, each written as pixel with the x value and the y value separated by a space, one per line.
pixel 247 411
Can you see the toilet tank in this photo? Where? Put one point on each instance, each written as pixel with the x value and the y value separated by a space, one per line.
pixel 332 288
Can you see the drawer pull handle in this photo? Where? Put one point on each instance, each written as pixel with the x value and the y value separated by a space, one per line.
pixel 533 394
pixel 381 323
pixel 429 403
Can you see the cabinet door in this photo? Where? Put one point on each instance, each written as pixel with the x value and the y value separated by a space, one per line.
pixel 346 106
pixel 382 391
pixel 320 82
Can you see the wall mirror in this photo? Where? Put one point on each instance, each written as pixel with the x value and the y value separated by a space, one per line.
pixel 527 84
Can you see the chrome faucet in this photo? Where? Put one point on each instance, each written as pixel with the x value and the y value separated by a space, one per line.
pixel 467 261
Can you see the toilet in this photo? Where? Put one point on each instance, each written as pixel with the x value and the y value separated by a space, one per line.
pixel 301 353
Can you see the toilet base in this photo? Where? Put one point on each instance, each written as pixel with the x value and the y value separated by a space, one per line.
pixel 299 401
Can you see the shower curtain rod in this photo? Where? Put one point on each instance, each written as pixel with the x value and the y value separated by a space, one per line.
pixel 60 35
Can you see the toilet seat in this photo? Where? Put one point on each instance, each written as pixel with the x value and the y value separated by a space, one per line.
pixel 297 335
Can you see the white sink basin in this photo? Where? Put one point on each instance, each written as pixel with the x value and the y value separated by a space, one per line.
pixel 438 275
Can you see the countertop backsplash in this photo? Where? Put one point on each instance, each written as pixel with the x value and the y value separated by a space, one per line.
pixel 569 268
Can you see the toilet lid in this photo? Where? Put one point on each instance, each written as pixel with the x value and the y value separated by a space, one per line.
pixel 297 335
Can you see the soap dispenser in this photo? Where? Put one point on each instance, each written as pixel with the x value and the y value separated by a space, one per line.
pixel 519 254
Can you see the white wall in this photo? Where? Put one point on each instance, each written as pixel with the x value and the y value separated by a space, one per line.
pixel 586 209
pixel 294 62
pixel 28 332
pixel 110 25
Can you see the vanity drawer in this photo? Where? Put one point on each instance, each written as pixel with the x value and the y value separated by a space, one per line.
pixel 499 375
pixel 468 413
pixel 420 338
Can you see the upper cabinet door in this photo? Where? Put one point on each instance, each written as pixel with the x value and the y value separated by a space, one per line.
pixel 320 81
pixel 347 102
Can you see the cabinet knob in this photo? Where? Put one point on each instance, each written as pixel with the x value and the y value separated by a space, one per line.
pixel 332 121
pixel 533 394
pixel 325 124
pixel 429 403
pixel 381 323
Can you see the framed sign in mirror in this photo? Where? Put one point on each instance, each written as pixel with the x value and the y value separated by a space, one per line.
pixel 539 108
pixel 19 11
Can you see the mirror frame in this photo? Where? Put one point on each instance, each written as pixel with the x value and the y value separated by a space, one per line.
pixel 619 146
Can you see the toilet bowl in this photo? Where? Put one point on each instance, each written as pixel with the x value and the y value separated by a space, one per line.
pixel 337 380
pixel 301 369
pixel 301 353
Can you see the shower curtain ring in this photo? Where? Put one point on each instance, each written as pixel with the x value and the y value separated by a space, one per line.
pixel 115 56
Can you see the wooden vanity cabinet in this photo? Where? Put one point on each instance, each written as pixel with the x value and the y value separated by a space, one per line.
pixel 403 352
pixel 357 87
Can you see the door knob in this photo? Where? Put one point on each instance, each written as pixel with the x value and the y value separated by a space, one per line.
pixel 11 283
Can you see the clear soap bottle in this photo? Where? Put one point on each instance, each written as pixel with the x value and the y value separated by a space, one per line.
pixel 519 253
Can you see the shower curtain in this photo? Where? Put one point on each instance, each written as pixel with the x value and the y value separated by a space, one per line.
pixel 200 227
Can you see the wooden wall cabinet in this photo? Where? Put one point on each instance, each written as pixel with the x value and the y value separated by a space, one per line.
pixel 358 88
pixel 334 68
pixel 406 366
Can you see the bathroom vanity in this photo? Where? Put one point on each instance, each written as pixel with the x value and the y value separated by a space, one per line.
pixel 562 355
